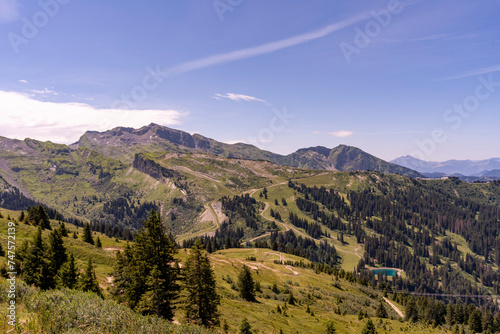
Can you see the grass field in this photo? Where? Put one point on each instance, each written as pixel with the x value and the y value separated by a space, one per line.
pixel 328 298
pixel 103 258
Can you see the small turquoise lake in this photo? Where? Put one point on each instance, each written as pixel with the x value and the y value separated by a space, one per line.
pixel 388 272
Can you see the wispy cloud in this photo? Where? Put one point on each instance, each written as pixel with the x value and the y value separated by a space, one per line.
pixel 23 116
pixel 484 70
pixel 9 10
pixel 23 81
pixel 265 48
pixel 239 97
pixel 431 38
pixel 377 133
pixel 434 38
pixel 235 141
pixel 341 133
pixel 43 92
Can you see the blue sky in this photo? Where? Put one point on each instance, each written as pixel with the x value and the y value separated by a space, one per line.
pixel 390 77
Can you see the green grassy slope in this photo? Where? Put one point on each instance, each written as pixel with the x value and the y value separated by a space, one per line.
pixel 328 298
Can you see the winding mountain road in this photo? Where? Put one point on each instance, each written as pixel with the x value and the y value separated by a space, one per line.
pixel 394 307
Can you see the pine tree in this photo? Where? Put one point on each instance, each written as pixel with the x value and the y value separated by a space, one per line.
pixel 56 254
pixel 129 279
pixel 291 299
pixel 63 230
pixel 2 252
pixel 208 247
pixel 21 216
pixel 381 311
pixel 411 311
pixel 98 243
pixel 74 235
pixel 87 234
pixel 156 248
pixel 330 327
pixel 146 275
pixel 154 299
pixel 475 322
pixel 88 281
pixel 245 327
pixel 38 217
pixel 202 299
pixel 67 276
pixel 35 269
pixel 488 322
pixel 369 328
pixel 246 285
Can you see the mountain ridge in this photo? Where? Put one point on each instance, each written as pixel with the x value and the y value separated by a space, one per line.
pixel 449 167
pixel 122 143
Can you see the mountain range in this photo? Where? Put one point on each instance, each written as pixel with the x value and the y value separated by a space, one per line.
pixel 123 143
pixel 156 167
pixel 479 168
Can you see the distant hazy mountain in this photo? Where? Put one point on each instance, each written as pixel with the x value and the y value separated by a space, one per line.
pixel 465 167
pixel 491 173
pixel 123 143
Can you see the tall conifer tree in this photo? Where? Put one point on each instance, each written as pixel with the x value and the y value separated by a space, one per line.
pixel 67 276
pixel 57 251
pixel 202 298
pixel 146 275
pixel 88 281
pixel 246 284
pixel 87 234
pixel 35 268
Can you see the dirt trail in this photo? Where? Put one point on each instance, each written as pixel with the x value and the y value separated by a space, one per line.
pixel 216 259
pixel 213 213
pixel 356 249
pixel 285 226
pixel 394 307
pixel 260 236
pixel 112 249
pixel 217 210
pixel 344 251
pixel 293 271
pixel 257 265
pixel 190 171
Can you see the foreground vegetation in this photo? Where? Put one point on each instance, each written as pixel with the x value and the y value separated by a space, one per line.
pixel 71 311
pixel 288 298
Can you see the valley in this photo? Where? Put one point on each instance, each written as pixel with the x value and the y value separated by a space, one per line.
pixel 315 233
